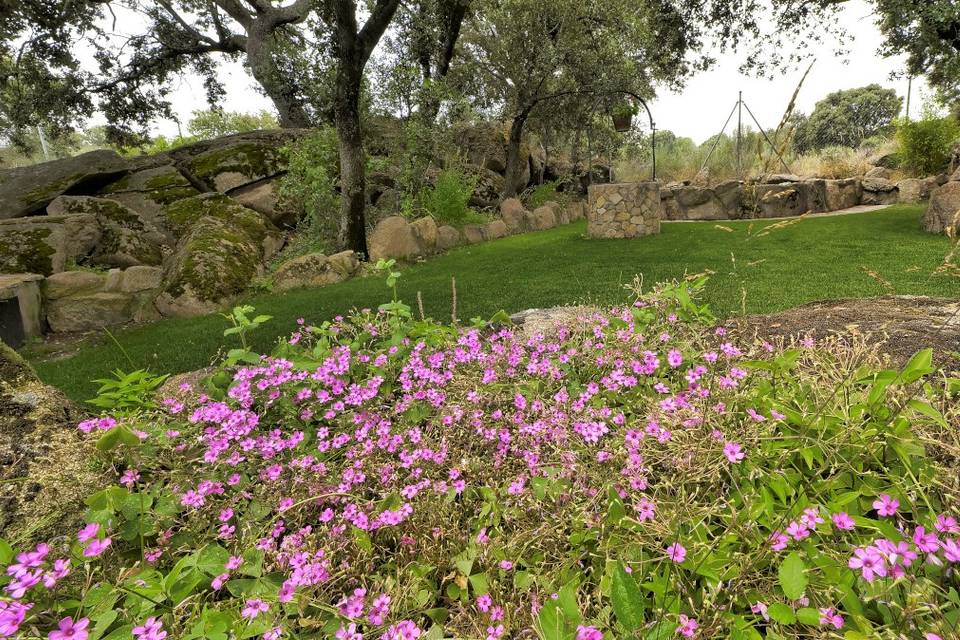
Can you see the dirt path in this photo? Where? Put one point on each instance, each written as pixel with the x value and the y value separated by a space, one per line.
pixel 860 208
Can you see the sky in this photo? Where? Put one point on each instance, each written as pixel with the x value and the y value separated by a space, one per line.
pixel 697 111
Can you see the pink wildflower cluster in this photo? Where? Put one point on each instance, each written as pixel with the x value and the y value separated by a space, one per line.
pixel 885 558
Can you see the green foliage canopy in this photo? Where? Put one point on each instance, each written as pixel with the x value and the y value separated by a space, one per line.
pixel 848 117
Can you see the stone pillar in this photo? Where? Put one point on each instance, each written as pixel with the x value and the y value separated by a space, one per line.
pixel 623 210
pixel 20 308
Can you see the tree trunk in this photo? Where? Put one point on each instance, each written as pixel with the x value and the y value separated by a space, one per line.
pixel 352 164
pixel 260 50
pixel 512 175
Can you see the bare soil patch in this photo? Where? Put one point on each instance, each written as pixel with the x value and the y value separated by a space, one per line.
pixel 897 325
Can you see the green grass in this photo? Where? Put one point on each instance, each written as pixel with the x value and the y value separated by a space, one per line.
pixel 814 259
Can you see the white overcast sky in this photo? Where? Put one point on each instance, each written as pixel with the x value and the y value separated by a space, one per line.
pixel 699 110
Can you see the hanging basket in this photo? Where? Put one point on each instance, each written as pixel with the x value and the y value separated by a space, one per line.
pixel 622 122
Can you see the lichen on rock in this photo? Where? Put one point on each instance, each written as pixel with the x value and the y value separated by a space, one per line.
pixel 45 466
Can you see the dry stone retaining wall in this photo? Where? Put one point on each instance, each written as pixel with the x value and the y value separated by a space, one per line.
pixel 623 210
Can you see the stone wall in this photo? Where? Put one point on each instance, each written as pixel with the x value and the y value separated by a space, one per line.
pixel 401 239
pixel 623 210
pixel 781 196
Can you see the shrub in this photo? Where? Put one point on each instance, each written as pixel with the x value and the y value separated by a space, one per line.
pixel 447 200
pixel 925 143
pixel 541 194
pixel 636 472
pixel 833 163
pixel 310 188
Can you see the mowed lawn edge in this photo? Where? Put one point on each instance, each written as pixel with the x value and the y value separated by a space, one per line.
pixel 778 264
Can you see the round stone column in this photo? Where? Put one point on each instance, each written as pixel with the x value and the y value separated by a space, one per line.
pixel 623 210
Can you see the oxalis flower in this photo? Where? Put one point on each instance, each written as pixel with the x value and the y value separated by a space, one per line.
pixel 151 629
pixel 253 608
pixel 588 633
pixel 885 505
pixel 67 629
pixel 687 627
pixel 733 452
pixel 870 562
pixel 676 552
pixel 830 617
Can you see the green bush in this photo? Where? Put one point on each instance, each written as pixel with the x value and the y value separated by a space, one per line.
pixel 447 201
pixel 310 187
pixel 925 143
pixel 541 194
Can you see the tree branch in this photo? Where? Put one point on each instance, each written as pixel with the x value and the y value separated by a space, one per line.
pixel 376 24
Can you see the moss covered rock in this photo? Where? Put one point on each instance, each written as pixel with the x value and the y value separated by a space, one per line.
pixel 316 270
pixel 222 247
pixel 182 215
pixel 148 192
pixel 26 191
pixel 45 470
pixel 236 165
pixel 126 238
pixel 46 244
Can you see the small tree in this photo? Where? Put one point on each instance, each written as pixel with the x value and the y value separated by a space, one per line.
pixel 846 118
pixel 925 144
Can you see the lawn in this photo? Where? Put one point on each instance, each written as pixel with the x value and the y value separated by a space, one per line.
pixel 809 259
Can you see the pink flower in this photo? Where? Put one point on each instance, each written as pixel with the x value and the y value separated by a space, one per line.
pixel 760 608
pixel 67 629
pixel 494 632
pixel 645 509
pixel 11 617
pixel 688 626
pixel 588 633
pixel 484 602
pixel 798 530
pixel 676 552
pixel 951 550
pixel 926 542
pixel 348 632
pixel 885 505
pixel 506 565
pixel 870 562
pixel 946 524
pixel 253 608
pixel 89 532
pixel 830 617
pixel 403 630
pixel 96 547
pixel 152 629
pixel 733 452
pixel 778 541
pixel 842 521
pixel 674 358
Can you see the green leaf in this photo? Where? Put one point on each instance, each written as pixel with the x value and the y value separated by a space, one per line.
pixel 918 366
pixel 362 539
pixel 479 583
pixel 808 615
pixel 117 436
pixel 628 602
pixel 928 410
pixel 212 560
pixel 781 613
pixel 6 552
pixel 551 622
pixel 793 580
